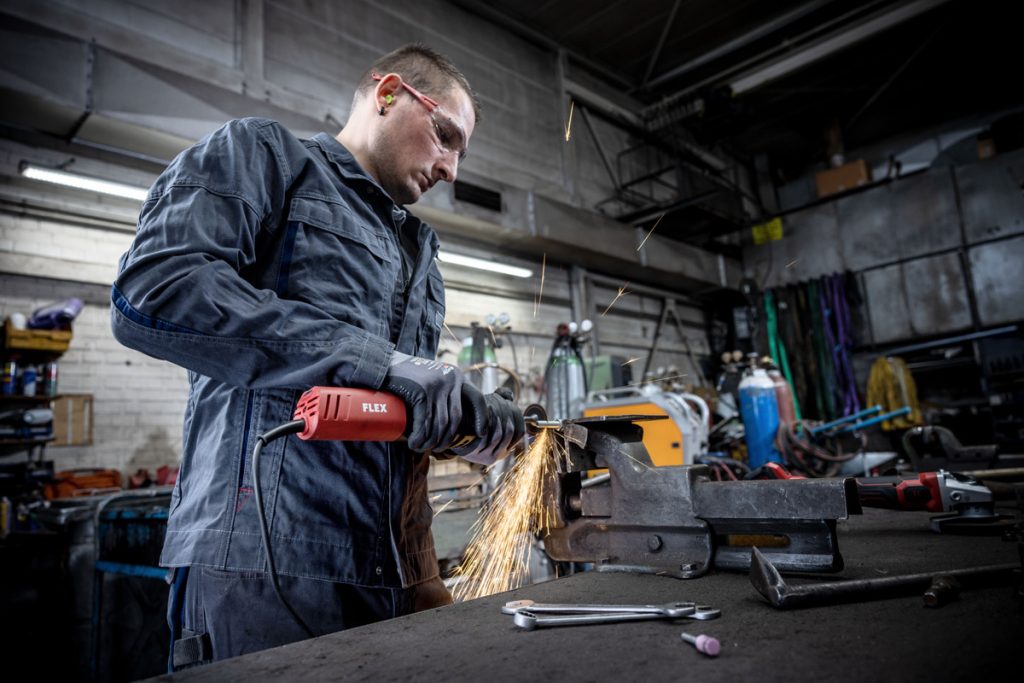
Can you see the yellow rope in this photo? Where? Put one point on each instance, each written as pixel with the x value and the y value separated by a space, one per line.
pixel 891 385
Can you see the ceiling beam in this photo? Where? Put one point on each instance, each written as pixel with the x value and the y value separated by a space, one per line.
pixel 831 44
pixel 761 31
pixel 661 41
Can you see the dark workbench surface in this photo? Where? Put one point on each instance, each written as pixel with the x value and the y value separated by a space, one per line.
pixel 896 639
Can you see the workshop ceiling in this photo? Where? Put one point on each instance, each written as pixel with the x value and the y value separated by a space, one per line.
pixel 878 69
pixel 919 63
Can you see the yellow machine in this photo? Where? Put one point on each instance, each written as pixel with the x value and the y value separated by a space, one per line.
pixel 675 441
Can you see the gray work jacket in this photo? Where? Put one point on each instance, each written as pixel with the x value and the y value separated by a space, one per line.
pixel 266 264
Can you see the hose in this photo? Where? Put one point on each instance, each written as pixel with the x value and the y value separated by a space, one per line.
pixel 814 460
pixel 516 381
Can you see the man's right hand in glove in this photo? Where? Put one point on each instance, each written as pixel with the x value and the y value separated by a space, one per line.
pixel 432 392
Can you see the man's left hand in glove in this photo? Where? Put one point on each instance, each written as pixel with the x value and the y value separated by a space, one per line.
pixel 497 423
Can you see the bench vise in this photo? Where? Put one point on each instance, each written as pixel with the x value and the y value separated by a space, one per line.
pixel 675 520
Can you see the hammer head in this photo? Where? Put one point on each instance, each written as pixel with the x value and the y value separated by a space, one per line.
pixel 766 579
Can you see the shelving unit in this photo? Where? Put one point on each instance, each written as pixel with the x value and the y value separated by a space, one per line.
pixel 37 348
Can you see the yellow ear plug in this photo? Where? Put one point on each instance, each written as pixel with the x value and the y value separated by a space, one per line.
pixel 388 99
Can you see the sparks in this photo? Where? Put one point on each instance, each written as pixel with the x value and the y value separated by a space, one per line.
pixel 656 379
pixel 568 126
pixel 631 360
pixel 650 231
pixel 622 291
pixel 792 263
pixel 498 555
pixel 457 341
pixel 638 462
pixel 441 509
pixel 540 293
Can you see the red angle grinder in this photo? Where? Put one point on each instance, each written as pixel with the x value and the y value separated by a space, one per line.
pixel 342 414
pixel 969 505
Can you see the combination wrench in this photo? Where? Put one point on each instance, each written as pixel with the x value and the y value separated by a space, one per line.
pixel 530 615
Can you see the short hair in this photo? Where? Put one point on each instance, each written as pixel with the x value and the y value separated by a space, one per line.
pixel 424 69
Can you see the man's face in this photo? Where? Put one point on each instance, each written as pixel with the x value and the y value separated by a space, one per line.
pixel 417 147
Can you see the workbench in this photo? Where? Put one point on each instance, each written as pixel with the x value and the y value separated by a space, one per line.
pixel 975 637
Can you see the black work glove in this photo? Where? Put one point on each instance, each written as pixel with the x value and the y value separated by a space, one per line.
pixel 432 392
pixel 496 421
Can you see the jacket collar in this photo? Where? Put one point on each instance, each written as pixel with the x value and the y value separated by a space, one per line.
pixel 337 154
pixel 347 165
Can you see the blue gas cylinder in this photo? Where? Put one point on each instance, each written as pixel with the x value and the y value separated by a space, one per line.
pixel 759 410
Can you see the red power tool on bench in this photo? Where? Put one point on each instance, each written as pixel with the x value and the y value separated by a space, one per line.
pixel 969 506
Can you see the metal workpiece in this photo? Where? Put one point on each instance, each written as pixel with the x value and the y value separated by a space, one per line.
pixel 674 521
pixel 766 578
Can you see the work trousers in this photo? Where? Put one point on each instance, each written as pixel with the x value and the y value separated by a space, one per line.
pixel 216 615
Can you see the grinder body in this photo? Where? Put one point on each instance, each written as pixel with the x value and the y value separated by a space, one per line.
pixel 345 414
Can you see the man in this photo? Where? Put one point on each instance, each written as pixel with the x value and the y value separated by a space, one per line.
pixel 265 265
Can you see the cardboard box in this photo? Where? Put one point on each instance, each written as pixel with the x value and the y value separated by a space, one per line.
pixel 843 178
pixel 986 148
pixel 72 420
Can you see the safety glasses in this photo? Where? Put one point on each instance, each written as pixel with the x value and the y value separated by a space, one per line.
pixel 450 136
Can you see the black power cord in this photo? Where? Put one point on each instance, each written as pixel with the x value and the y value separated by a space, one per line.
pixel 293 427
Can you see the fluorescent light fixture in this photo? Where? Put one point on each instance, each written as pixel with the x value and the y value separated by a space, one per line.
pixel 481 264
pixel 82 182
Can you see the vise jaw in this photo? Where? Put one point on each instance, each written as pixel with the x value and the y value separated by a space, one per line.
pixel 675 520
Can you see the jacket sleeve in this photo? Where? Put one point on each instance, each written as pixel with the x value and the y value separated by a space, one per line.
pixel 180 294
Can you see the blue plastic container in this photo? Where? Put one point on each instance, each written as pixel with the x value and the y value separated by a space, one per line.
pixel 759 410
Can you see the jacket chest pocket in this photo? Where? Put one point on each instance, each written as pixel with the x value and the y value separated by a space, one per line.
pixel 338 264
pixel 433 317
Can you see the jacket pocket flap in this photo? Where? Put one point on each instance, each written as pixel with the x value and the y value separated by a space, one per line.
pixel 337 219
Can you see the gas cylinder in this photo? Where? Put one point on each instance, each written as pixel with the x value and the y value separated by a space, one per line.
pixel 759 410
pixel 478 360
pixel 489 372
pixel 466 354
pixel 783 396
pixel 564 381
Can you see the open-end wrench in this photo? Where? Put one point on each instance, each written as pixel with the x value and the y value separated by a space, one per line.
pixel 528 620
pixel 671 610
